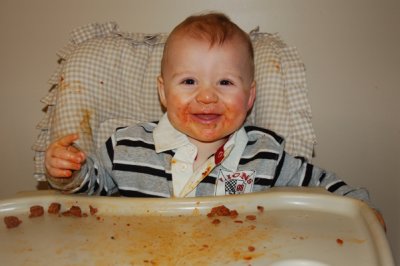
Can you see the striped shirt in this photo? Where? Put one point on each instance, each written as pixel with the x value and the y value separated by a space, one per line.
pixel 140 160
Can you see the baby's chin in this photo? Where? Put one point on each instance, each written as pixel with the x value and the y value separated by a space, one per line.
pixel 207 139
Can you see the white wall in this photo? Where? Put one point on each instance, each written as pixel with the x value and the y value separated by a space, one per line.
pixel 351 50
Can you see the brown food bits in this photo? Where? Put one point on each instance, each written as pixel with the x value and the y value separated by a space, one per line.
pixel 222 211
pixel 93 210
pixel 339 241
pixel 36 211
pixel 54 208
pixel 233 214
pixel 73 211
pixel 76 211
pixel 251 248
pixel 66 213
pixel 216 221
pixel 203 247
pixel 206 172
pixel 260 208
pixel 12 221
pixel 251 217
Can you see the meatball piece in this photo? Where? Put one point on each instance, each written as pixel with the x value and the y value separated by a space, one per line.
pixel 36 211
pixel 12 221
pixel 54 208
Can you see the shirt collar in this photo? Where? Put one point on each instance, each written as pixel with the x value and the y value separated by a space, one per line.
pixel 239 141
pixel 166 137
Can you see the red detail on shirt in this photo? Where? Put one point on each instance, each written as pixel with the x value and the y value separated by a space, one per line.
pixel 219 155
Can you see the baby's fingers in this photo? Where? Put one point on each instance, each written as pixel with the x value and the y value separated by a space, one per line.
pixel 59 173
pixel 67 140
pixel 60 163
pixel 58 167
pixel 70 154
pixel 63 148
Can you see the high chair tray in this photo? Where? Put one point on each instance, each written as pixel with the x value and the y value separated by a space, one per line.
pixel 279 227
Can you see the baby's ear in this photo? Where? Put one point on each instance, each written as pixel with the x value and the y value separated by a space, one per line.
pixel 161 91
pixel 252 95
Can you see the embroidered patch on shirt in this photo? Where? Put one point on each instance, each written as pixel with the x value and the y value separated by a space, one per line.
pixel 229 183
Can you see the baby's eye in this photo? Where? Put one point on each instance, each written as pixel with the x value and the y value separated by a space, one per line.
pixel 189 82
pixel 225 82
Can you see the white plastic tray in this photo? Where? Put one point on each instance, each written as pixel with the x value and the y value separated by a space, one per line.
pixel 297 227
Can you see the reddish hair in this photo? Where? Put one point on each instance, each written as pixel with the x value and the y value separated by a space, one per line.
pixel 216 28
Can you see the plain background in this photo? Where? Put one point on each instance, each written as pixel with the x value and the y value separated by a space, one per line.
pixel 350 48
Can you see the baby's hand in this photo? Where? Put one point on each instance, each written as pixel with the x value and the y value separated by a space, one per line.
pixel 62 158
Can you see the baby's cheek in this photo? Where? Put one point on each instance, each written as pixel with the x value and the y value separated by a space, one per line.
pixel 235 114
pixel 182 114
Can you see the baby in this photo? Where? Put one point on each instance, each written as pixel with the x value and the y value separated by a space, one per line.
pixel 201 146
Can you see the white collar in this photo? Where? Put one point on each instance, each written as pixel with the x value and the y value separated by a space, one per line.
pixel 166 137
pixel 239 141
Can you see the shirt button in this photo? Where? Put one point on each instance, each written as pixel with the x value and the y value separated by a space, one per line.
pixel 183 167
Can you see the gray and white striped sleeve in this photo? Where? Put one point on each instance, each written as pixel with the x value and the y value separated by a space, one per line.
pixel 294 171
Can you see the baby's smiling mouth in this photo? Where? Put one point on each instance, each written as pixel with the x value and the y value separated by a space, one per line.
pixel 207 118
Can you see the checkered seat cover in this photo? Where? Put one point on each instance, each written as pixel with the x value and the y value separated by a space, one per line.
pixel 107 78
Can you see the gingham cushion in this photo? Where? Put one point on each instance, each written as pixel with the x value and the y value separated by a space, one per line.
pixel 107 78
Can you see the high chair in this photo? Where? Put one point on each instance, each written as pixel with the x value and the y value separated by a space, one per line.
pixel 106 78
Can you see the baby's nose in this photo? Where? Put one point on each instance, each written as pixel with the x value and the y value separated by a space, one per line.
pixel 207 95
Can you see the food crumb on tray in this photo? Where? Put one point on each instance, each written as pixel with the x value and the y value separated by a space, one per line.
pixel 222 210
pixel 36 211
pixel 73 211
pixel 54 208
pixel 12 221
pixel 216 221
pixel 93 210
pixel 251 217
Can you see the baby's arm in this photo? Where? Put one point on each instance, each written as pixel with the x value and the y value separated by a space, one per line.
pixel 298 172
pixel 73 171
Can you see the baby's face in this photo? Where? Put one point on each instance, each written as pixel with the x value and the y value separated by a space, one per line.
pixel 207 91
